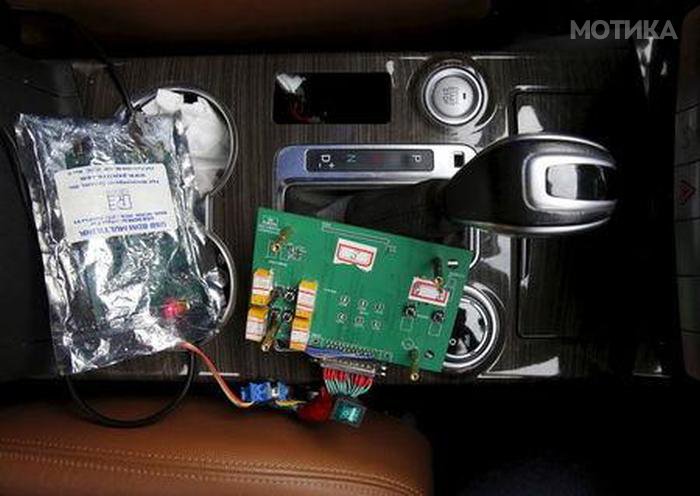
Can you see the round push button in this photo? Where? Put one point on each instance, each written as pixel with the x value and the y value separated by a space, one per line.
pixel 453 95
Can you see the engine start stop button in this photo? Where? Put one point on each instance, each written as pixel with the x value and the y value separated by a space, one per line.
pixel 453 95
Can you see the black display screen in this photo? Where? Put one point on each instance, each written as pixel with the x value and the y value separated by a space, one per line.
pixel 353 159
pixel 332 98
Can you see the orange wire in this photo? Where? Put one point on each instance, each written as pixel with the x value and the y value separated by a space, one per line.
pixel 232 396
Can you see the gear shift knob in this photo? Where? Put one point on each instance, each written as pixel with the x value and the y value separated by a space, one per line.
pixel 534 185
pixel 526 185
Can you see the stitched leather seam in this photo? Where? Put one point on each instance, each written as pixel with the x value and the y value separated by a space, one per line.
pixel 235 464
pixel 171 457
pixel 232 470
pixel 185 476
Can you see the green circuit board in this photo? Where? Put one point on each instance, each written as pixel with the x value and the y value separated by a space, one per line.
pixel 380 296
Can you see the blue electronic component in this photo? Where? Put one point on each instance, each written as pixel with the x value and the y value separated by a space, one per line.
pixel 262 392
pixel 282 392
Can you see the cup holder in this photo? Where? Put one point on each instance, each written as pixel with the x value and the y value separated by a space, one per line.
pixel 210 129
pixel 476 333
pixel 214 162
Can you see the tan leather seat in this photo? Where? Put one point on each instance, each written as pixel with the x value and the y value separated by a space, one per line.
pixel 206 447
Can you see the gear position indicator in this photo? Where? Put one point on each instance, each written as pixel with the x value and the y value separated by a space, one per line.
pixel 348 159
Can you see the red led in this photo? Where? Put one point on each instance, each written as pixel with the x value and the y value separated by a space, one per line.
pixel 174 308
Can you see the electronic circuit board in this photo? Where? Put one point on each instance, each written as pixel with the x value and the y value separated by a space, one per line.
pixel 320 286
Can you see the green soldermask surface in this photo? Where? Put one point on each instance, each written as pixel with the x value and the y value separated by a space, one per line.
pixel 364 278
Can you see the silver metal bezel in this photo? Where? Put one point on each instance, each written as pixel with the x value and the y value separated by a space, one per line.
pixel 471 77
pixel 290 169
pixel 290 166
pixel 535 184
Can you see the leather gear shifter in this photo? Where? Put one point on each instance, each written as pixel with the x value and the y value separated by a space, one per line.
pixel 527 185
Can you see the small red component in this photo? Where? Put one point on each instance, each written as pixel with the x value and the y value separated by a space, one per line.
pixel 173 308
pixel 318 409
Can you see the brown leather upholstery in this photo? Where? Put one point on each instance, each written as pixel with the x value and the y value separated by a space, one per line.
pixel 207 448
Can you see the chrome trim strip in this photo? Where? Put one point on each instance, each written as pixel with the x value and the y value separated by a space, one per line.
pixel 474 244
pixel 548 136
pixel 536 230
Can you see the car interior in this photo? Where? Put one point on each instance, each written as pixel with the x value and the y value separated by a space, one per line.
pixel 390 247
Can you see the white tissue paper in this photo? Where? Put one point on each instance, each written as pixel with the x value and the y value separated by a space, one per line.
pixel 206 132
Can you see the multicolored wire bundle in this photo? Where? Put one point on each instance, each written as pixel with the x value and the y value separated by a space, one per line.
pixel 340 383
pixel 337 400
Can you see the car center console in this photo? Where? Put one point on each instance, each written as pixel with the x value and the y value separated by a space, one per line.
pixel 314 128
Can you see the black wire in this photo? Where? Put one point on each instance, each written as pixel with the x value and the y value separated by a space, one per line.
pixel 100 418
pixel 91 413
pixel 99 54
pixel 111 68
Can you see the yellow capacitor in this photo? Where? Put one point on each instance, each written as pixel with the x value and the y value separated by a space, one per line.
pixel 306 299
pixel 256 323
pixel 263 282
pixel 300 334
